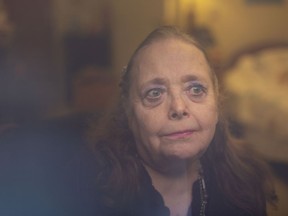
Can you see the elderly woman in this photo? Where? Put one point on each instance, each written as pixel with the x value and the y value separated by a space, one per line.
pixel 166 149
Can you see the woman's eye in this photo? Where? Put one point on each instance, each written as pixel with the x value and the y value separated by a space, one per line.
pixel 153 97
pixel 154 94
pixel 196 90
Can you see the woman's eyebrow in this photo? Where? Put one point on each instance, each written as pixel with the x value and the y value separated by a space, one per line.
pixel 155 81
pixel 191 77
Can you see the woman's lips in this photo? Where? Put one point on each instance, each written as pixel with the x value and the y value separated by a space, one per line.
pixel 178 135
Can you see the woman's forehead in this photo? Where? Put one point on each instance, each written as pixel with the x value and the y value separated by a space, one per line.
pixel 166 44
pixel 170 55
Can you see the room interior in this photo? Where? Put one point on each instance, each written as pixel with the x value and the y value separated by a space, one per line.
pixel 64 57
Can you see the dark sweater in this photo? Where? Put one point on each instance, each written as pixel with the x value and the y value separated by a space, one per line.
pixel 149 202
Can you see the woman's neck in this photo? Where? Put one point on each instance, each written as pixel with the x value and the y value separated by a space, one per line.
pixel 176 190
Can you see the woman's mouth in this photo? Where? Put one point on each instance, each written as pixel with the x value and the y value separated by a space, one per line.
pixel 179 135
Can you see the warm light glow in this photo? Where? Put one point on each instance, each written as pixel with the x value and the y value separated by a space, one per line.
pixel 177 11
pixel 186 7
pixel 170 12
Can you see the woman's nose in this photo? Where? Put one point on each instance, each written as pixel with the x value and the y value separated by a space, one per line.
pixel 178 108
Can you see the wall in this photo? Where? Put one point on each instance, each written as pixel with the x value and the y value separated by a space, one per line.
pixel 132 21
pixel 235 24
pixel 238 24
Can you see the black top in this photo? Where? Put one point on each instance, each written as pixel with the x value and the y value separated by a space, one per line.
pixel 150 203
pixel 47 174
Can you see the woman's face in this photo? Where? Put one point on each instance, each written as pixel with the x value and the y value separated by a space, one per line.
pixel 172 107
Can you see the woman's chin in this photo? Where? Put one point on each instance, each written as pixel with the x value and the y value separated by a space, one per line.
pixel 183 153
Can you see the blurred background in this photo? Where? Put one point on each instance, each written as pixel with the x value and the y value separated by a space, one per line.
pixel 62 58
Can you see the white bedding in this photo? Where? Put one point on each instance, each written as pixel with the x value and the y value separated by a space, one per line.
pixel 258 84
